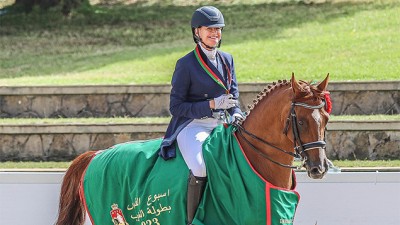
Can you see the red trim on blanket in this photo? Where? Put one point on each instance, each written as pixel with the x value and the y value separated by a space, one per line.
pixel 270 185
pixel 82 192
pixel 245 156
pixel 268 203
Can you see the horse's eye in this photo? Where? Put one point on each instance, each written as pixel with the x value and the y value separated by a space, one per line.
pixel 301 122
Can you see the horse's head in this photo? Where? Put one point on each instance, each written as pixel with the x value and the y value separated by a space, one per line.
pixel 283 115
pixel 308 117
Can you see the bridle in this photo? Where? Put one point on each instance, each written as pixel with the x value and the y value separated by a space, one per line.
pixel 300 148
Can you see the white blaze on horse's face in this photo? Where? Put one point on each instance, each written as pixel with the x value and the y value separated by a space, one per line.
pixel 317 172
pixel 317 117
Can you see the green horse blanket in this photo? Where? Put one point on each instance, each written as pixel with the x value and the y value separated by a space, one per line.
pixel 130 184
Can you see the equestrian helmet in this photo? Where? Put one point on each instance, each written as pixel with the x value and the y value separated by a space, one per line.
pixel 207 16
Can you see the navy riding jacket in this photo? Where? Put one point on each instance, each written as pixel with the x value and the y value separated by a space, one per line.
pixel 192 88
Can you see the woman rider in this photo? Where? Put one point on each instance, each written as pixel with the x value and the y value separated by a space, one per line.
pixel 204 90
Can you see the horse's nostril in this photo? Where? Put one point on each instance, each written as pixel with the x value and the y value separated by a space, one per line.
pixel 315 170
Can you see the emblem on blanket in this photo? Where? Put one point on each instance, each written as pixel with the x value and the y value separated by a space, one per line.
pixel 154 207
pixel 117 215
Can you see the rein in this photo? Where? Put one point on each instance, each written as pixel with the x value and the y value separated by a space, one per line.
pixel 300 148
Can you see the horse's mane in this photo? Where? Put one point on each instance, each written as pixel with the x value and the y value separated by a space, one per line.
pixel 308 91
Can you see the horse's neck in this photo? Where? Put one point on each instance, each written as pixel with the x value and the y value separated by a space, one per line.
pixel 266 122
pixel 275 174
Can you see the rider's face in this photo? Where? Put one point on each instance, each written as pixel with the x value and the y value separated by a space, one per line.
pixel 210 35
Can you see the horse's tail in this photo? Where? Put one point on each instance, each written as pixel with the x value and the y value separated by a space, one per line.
pixel 71 209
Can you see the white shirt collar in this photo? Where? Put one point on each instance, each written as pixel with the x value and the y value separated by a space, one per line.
pixel 211 54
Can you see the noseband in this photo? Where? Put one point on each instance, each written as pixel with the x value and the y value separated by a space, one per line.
pixel 300 148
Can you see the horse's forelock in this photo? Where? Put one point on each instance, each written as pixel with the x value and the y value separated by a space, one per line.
pixel 308 91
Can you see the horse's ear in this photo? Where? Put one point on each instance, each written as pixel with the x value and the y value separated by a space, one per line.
pixel 295 85
pixel 322 86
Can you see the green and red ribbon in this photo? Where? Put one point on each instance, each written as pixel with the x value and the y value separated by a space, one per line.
pixel 208 70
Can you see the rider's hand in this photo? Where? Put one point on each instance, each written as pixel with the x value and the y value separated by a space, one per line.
pixel 225 101
pixel 237 118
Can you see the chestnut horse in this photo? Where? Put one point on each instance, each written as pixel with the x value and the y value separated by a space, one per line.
pixel 287 120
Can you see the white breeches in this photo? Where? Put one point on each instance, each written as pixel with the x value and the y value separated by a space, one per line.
pixel 87 220
pixel 190 141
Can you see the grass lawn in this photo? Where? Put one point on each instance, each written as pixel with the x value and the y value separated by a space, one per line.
pixel 34 165
pixel 64 165
pixel 140 43
pixel 115 120
pixel 367 163
pixel 111 120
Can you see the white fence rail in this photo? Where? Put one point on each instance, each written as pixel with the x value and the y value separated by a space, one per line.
pixel 348 198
